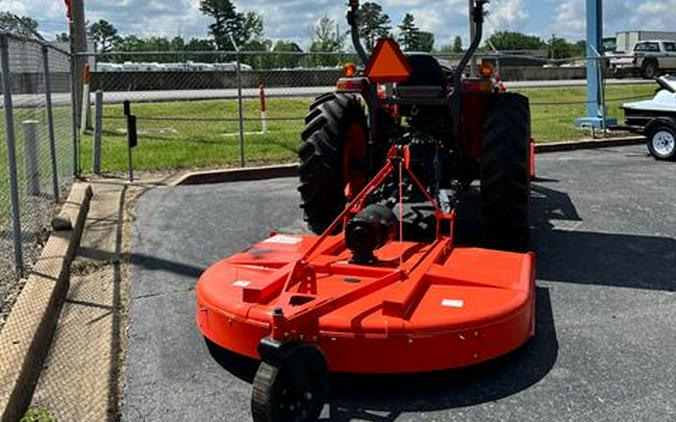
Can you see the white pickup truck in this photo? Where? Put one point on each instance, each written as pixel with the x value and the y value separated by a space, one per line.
pixel 650 59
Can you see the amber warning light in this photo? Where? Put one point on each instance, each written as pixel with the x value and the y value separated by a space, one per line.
pixel 388 63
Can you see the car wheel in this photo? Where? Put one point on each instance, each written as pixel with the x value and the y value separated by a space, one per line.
pixel 662 142
pixel 618 73
pixel 650 70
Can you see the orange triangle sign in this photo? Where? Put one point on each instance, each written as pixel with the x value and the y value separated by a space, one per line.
pixel 388 63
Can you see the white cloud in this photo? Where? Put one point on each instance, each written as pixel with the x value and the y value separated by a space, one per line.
pixel 570 16
pixel 507 15
pixel 294 19
pixel 655 15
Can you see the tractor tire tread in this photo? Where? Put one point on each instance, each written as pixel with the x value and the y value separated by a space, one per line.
pixel 321 180
pixel 504 173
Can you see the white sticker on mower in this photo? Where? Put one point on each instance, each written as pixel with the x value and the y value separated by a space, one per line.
pixel 241 283
pixel 452 303
pixel 283 239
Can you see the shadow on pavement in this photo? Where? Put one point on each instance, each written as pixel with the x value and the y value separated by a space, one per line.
pixel 386 397
pixel 155 263
pixel 607 259
pixel 564 255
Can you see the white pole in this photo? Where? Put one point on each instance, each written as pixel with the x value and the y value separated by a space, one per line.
pixel 85 122
pixel 30 155
pixel 98 128
pixel 264 112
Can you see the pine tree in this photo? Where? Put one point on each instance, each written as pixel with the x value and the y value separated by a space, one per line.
pixel 409 33
pixel 230 24
pixel 457 44
pixel 373 24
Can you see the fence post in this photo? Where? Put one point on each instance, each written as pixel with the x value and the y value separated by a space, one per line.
pixel 11 155
pixel 50 123
pixel 30 156
pixel 73 109
pixel 85 113
pixel 98 128
pixel 240 108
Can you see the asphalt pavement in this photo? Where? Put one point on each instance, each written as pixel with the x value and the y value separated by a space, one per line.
pixel 604 229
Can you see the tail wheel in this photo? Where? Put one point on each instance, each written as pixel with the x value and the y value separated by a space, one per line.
pixel 505 172
pixel 293 389
pixel 333 157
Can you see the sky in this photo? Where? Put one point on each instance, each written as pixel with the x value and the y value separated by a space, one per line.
pixel 294 19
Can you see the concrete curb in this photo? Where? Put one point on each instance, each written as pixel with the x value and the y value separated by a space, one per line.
pixel 27 335
pixel 237 175
pixel 589 144
pixel 291 170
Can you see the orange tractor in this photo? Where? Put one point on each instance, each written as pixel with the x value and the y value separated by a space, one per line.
pixel 364 295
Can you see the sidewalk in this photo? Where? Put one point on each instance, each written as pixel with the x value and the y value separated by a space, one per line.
pixel 78 382
pixel 81 375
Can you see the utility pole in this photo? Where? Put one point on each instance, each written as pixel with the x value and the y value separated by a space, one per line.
pixel 595 118
pixel 551 46
pixel 78 40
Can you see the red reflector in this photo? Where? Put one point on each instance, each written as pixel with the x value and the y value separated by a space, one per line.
pixel 348 84
pixel 388 63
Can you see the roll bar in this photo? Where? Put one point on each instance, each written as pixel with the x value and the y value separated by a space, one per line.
pixel 353 21
pixel 477 19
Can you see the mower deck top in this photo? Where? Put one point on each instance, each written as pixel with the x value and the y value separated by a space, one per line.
pixel 421 307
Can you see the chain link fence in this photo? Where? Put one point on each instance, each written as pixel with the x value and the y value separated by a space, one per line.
pixel 200 109
pixel 36 156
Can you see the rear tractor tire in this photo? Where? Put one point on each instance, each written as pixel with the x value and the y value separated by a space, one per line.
pixel 333 157
pixel 505 173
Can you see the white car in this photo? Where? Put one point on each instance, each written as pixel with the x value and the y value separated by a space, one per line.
pixel 650 59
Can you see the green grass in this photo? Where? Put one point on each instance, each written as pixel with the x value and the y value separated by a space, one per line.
pixel 552 114
pixel 64 141
pixel 199 134
pixel 38 415
pixel 204 133
pixel 198 138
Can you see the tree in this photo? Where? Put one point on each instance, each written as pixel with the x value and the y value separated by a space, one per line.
pixel 230 24
pixel 177 43
pixel 505 41
pixel 253 27
pixel 22 25
pixel 287 61
pixel 373 24
pixel 409 33
pixel 198 44
pixel 559 48
pixel 579 49
pixel 327 38
pixel 104 35
pixel 425 41
pixel 457 44
pixel 63 37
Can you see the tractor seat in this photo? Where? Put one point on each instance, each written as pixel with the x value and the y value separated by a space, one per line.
pixel 425 71
pixel 427 78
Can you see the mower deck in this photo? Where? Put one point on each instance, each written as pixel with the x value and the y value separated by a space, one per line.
pixel 422 307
